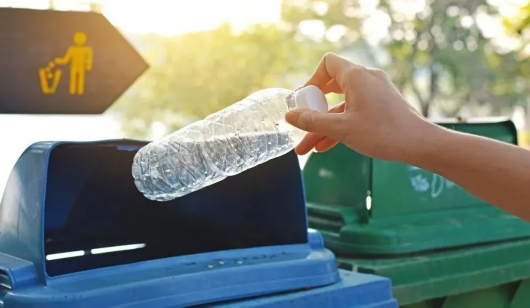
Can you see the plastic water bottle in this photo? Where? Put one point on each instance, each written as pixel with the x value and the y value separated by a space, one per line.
pixel 241 136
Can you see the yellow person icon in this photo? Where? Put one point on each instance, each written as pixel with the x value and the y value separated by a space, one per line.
pixel 80 58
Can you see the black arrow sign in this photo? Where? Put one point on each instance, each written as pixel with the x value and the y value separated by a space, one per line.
pixel 54 62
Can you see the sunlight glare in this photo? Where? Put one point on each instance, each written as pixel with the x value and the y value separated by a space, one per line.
pixel 173 17
pixel 169 17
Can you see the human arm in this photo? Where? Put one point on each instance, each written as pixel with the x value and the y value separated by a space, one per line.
pixel 496 172
pixel 375 120
pixel 65 59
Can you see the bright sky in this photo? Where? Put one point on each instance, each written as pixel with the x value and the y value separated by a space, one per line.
pixel 168 17
pixel 177 16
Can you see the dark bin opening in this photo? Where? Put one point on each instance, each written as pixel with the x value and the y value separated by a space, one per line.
pixel 95 217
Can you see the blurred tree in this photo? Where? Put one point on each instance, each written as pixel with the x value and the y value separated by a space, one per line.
pixel 91 5
pixel 518 26
pixel 96 7
pixel 521 22
pixel 435 50
pixel 196 74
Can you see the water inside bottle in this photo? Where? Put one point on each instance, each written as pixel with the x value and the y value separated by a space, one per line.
pixel 203 162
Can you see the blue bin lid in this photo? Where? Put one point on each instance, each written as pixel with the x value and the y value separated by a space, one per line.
pixel 74 231
pixel 353 291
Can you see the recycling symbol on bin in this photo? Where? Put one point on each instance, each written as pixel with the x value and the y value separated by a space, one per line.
pixel 426 182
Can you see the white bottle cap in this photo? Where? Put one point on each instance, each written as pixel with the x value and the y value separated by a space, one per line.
pixel 311 97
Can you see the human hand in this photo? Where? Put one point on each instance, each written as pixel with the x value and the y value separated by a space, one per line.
pixel 374 120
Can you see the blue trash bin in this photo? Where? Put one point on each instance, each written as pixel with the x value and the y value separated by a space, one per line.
pixel 75 232
pixel 353 291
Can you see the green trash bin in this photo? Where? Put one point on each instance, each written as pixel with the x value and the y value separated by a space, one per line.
pixel 440 246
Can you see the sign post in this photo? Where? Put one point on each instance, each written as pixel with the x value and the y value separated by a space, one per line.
pixel 57 62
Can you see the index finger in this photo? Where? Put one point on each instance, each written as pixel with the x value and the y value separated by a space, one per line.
pixel 330 73
pixel 310 140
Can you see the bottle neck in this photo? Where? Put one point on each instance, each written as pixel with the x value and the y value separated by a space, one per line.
pixel 309 97
pixel 291 101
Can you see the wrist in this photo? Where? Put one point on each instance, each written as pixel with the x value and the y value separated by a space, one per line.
pixel 426 144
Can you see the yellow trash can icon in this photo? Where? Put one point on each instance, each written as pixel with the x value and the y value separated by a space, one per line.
pixel 79 57
pixel 48 75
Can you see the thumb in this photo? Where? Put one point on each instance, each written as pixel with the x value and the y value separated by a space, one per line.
pixel 321 123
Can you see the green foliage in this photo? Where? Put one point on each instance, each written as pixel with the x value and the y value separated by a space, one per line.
pixel 436 52
pixel 196 74
pixel 521 23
